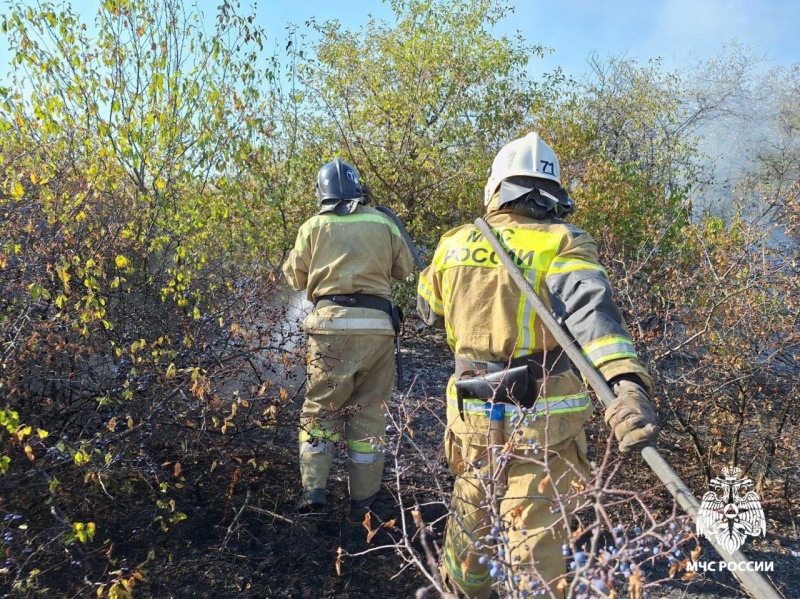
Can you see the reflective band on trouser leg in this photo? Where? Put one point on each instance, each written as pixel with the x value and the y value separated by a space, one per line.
pixel 316 459
pixel 364 452
pixel 328 389
pixel 316 447
pixel 365 429
pixel 466 524
pixel 364 468
pixel 474 583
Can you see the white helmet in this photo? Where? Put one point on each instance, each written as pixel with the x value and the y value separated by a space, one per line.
pixel 527 156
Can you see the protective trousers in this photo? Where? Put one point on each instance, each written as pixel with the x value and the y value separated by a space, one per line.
pixel 528 507
pixel 349 378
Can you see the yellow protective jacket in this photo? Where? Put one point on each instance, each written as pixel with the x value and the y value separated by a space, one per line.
pixel 357 253
pixel 467 291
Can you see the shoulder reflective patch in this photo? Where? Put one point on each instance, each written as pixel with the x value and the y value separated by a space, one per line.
pixel 529 248
pixel 320 220
pixel 565 265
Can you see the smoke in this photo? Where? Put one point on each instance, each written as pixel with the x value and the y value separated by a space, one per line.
pixel 747 141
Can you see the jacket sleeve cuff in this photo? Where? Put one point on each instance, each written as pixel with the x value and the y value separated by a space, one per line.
pixel 617 368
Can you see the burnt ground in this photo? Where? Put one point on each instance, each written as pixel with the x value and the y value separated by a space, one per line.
pixel 241 537
pixel 268 551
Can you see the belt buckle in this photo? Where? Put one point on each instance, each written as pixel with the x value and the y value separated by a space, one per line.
pixel 351 301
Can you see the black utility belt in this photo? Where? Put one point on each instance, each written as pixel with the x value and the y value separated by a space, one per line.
pixel 363 300
pixel 514 381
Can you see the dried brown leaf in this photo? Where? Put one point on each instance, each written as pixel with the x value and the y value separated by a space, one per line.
pixel 466 563
pixel 367 522
pixel 234 479
pixel 543 483
pixel 515 514
pixel 673 569
pixel 635 587
pixel 417 518
pixel 578 485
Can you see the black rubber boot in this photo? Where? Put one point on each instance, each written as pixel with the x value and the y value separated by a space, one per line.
pixel 311 501
pixel 360 507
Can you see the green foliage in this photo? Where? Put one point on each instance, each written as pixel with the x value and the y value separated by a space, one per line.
pixel 134 265
pixel 419 106
pixel 124 134
pixel 625 153
pixel 154 169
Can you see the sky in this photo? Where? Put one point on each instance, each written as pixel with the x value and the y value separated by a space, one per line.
pixel 679 32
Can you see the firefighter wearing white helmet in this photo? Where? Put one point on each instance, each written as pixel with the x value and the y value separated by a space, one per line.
pixel 512 380
pixel 345 258
pixel 523 165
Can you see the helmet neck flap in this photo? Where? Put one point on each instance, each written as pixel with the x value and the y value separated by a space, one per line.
pixel 339 207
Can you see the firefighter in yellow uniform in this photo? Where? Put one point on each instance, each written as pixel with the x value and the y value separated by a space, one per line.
pixel 344 258
pixel 513 381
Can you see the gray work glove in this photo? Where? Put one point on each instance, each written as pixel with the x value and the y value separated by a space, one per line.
pixel 632 416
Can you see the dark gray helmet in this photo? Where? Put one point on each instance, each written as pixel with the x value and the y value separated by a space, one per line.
pixel 338 180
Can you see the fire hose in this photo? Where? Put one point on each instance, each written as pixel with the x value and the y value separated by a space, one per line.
pixel 420 264
pixel 752 581
pixel 404 234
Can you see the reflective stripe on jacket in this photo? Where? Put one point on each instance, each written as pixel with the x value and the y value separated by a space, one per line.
pixel 357 253
pixel 486 317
